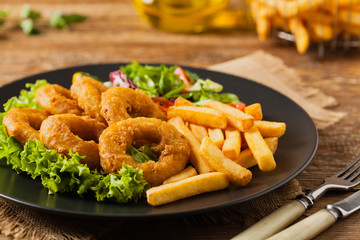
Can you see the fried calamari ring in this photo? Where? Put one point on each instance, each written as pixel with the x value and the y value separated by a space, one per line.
pixel 87 92
pixel 56 99
pixel 64 132
pixel 24 123
pixel 163 139
pixel 120 103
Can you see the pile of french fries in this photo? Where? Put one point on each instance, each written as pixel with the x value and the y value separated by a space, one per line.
pixel 307 20
pixel 224 142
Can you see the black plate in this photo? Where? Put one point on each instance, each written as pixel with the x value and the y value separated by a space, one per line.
pixel 295 151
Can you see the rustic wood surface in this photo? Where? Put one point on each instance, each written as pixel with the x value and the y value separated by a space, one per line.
pixel 115 33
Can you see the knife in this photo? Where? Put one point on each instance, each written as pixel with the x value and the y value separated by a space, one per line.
pixel 321 220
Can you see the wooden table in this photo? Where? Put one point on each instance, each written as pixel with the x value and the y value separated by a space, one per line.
pixel 115 33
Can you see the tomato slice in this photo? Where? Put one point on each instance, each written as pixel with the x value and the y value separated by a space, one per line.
pixel 240 106
pixel 163 103
pixel 182 75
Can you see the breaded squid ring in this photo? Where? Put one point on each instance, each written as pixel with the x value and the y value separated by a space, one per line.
pixel 163 139
pixel 66 132
pixel 24 123
pixel 120 103
pixel 56 99
pixel 87 92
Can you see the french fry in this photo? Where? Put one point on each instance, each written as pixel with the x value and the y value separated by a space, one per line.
pixel 214 156
pixel 302 38
pixel 232 144
pixel 262 27
pixel 321 31
pixel 200 165
pixel 187 172
pixel 287 9
pixel 187 187
pixel 199 131
pixel 199 115
pixel 262 15
pixel 235 117
pixel 182 102
pixel 255 111
pixel 259 149
pixel 216 136
pixel 307 20
pixel 254 8
pixel 270 129
pixel 246 158
pixel 347 16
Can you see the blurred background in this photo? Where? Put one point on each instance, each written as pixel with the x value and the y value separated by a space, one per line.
pixel 196 33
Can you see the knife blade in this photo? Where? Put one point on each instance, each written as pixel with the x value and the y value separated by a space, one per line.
pixel 345 207
pixel 321 220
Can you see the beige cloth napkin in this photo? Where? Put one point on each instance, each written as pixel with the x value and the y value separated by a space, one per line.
pixel 21 222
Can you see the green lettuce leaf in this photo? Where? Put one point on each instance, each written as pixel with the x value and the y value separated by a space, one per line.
pixel 141 155
pixel 128 184
pixel 205 94
pixel 26 98
pixel 10 149
pixel 206 85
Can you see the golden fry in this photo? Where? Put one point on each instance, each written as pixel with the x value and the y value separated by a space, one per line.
pixel 187 172
pixel 322 32
pixel 182 102
pixel 216 136
pixel 260 150
pixel 232 144
pixel 346 16
pixel 199 131
pixel 255 111
pixel 214 156
pixel 188 187
pixel 200 165
pixel 271 129
pixel 287 9
pixel 199 115
pixel 235 117
pixel 246 158
pixel 301 34
pixel 262 27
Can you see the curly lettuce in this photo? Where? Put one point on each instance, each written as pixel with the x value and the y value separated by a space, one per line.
pixel 128 184
pixel 65 174
pixel 26 99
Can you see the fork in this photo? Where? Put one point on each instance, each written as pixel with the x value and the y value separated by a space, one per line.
pixel 344 180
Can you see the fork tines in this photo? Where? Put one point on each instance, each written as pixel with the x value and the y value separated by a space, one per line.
pixel 349 172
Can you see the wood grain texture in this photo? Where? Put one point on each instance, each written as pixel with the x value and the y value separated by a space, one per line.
pixel 115 33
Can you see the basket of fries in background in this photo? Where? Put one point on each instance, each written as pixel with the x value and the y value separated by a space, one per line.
pixel 325 22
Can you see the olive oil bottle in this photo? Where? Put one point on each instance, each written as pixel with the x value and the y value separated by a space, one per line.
pixel 184 16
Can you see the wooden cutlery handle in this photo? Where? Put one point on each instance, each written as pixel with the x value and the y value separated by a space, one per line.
pixel 274 222
pixel 307 228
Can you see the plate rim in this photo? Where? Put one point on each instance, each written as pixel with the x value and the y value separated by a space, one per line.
pixel 167 214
